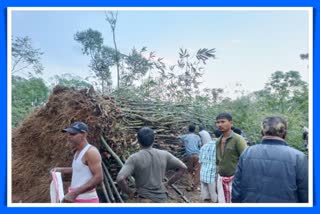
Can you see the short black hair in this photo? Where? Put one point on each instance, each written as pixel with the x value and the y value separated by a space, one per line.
pixel 201 127
pixel 192 128
pixel 146 136
pixel 224 115
pixel 217 133
pixel 236 130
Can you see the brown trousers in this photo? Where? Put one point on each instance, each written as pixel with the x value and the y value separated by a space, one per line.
pixel 193 165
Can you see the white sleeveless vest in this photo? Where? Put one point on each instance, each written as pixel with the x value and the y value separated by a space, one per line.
pixel 81 173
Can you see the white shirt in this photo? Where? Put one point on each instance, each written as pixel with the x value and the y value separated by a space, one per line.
pixel 205 137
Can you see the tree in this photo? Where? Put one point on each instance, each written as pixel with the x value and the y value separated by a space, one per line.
pixel 69 80
pixel 112 17
pixel 213 94
pixel 27 94
pixel 102 57
pixel 182 81
pixel 24 56
pixel 178 82
pixel 136 66
pixel 283 86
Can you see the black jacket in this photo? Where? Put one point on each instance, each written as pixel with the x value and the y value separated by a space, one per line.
pixel 271 172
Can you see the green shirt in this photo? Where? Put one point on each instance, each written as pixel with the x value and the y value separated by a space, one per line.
pixel 234 146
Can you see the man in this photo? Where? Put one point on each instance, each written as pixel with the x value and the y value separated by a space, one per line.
pixel 236 130
pixel 86 166
pixel 272 171
pixel 217 133
pixel 240 132
pixel 148 167
pixel 204 135
pixel 229 148
pixel 207 159
pixel 192 144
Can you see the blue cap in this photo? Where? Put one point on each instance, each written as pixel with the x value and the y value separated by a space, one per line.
pixel 76 127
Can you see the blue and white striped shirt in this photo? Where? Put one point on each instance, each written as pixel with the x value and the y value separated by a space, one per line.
pixel 207 158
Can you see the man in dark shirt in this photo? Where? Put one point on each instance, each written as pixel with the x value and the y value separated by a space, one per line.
pixel 272 171
pixel 148 167
pixel 229 148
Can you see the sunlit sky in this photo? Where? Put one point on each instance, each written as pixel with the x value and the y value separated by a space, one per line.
pixel 250 44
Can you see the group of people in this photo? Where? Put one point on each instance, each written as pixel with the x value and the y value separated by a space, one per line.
pixel 224 169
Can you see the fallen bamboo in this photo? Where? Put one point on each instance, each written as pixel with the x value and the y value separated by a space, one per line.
pixel 178 191
pixel 112 153
pixel 109 191
pixel 112 183
pixel 115 156
pixel 105 192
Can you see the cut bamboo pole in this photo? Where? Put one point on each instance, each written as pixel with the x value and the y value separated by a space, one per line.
pixel 112 183
pixel 115 156
pixel 178 191
pixel 105 192
pixel 109 191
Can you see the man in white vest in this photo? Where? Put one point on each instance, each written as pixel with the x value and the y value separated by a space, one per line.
pixel 86 166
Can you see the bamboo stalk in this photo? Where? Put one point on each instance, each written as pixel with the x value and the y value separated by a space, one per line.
pixel 109 191
pixel 112 183
pixel 178 191
pixel 113 154
pixel 105 192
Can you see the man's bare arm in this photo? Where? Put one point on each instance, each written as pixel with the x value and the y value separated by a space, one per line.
pixel 63 170
pixel 122 178
pixel 177 175
pixel 123 184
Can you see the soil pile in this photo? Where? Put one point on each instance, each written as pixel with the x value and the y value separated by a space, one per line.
pixel 39 145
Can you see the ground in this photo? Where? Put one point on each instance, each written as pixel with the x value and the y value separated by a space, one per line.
pixel 174 197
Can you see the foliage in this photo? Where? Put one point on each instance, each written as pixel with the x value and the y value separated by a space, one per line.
pixel 24 56
pixel 191 70
pixel 136 67
pixel 304 56
pixel 283 86
pixel 91 41
pixel 27 94
pixel 102 57
pixel 69 80
pixel 214 95
pixel 179 82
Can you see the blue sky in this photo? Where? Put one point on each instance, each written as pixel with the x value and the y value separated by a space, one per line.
pixel 250 45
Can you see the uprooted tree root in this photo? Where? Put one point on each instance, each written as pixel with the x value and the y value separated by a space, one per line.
pixel 38 143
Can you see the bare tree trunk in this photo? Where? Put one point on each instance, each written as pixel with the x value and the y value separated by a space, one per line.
pixel 112 19
pixel 117 57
